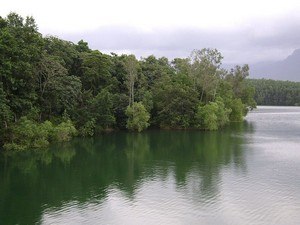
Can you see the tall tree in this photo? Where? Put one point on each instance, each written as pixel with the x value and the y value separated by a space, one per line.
pixel 205 71
pixel 20 50
pixel 131 67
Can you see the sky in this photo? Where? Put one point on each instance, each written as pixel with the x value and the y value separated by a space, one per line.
pixel 243 31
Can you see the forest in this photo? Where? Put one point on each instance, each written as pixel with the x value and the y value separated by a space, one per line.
pixel 276 92
pixel 52 89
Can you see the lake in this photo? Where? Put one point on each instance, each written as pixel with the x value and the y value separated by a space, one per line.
pixel 246 173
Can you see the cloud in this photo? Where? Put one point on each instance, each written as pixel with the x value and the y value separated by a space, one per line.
pixel 254 42
pixel 244 31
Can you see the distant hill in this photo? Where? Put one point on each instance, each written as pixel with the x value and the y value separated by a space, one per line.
pixel 287 69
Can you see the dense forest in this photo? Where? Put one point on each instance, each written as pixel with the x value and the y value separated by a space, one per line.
pixel 276 92
pixel 52 89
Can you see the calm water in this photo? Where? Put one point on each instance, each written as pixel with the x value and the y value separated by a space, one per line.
pixel 245 174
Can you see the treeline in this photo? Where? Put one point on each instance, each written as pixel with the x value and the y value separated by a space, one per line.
pixel 52 89
pixel 276 92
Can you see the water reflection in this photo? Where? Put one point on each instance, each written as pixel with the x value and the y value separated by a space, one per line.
pixel 88 170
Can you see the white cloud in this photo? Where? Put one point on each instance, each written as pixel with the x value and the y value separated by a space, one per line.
pixel 86 15
pixel 247 31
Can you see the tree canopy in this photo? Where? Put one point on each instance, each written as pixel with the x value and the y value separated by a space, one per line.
pixel 276 92
pixel 47 83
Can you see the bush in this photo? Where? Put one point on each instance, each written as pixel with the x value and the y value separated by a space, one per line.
pixel 222 113
pixel 138 117
pixel 88 129
pixel 13 147
pixel 212 115
pixel 64 131
pixel 238 110
pixel 29 134
pixel 206 116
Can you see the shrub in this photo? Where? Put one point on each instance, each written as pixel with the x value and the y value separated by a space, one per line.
pixel 88 129
pixel 212 115
pixel 138 117
pixel 206 116
pixel 29 134
pixel 64 131
pixel 238 110
pixel 222 113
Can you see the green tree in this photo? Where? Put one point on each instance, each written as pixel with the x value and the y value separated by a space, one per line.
pixel 212 115
pixel 275 92
pixel 205 71
pixel 82 46
pixel 102 109
pixel 96 72
pixel 65 52
pixel 206 116
pixel 131 67
pixel 175 102
pixel 20 50
pixel 138 117
pixel 237 110
pixel 154 69
pixel 5 112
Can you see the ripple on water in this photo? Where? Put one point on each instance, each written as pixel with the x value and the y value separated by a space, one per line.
pixel 250 176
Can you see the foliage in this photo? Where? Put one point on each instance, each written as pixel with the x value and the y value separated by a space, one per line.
pixel 30 134
pixel 205 72
pixel 276 92
pixel 222 113
pixel 20 49
pixel 206 116
pixel 42 78
pixel 64 131
pixel 131 67
pixel 212 115
pixel 5 112
pixel 238 110
pixel 102 110
pixel 175 102
pixel 138 117
pixel 88 129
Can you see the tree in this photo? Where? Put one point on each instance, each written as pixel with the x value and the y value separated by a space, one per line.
pixel 102 110
pixel 65 52
pixel 82 46
pixel 138 117
pixel 154 69
pixel 131 67
pixel 271 92
pixel 5 112
pixel 96 72
pixel 175 101
pixel 43 78
pixel 237 78
pixel 205 71
pixel 206 116
pixel 238 110
pixel 20 50
pixel 212 115
pixel 57 91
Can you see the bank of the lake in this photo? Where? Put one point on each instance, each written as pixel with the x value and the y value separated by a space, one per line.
pixel 246 173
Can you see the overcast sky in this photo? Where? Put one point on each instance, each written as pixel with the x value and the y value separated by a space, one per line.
pixel 244 31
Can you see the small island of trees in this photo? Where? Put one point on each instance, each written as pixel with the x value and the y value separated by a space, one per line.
pixel 52 89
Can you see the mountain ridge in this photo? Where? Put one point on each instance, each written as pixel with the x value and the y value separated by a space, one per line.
pixel 286 69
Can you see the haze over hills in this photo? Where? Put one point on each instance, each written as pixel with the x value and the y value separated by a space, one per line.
pixel 287 69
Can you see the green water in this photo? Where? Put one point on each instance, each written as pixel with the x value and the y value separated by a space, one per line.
pixel 245 174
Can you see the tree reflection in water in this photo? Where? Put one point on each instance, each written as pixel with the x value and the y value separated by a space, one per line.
pixel 85 169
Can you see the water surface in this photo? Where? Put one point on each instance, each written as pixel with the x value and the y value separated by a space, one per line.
pixel 247 173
